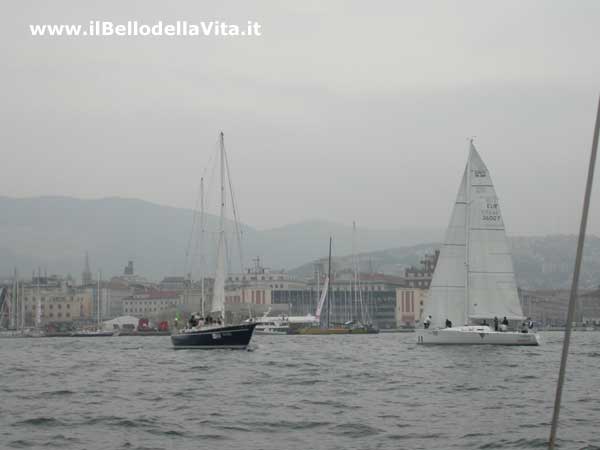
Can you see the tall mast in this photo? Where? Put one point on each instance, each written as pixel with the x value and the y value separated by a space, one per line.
pixel 329 286
pixel 38 313
pixel 20 298
pixel 355 277
pixel 222 155
pixel 13 303
pixel 222 217
pixel 98 300
pixel 17 305
pixel 363 309
pixel 202 246
pixel 468 234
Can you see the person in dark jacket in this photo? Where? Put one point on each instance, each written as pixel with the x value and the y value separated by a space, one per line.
pixel 427 322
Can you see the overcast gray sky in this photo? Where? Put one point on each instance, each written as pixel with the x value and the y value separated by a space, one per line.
pixel 342 110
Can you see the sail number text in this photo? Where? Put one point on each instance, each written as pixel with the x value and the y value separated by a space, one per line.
pixel 491 213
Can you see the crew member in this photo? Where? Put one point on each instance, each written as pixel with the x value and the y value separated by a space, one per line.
pixel 427 322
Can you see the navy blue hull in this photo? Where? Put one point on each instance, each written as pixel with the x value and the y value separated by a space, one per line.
pixel 235 336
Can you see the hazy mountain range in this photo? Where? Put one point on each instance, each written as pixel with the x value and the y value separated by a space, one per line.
pixel 53 233
pixel 544 262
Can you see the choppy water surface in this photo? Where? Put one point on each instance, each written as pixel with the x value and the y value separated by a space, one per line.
pixel 294 392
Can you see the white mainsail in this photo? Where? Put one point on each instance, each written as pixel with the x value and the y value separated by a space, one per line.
pixel 474 276
pixel 218 303
pixel 492 288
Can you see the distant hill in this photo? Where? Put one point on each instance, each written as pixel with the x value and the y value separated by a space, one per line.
pixel 548 262
pixel 389 261
pixel 540 262
pixel 53 233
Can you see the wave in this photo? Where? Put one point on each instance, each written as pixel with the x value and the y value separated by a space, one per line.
pixel 41 421
pixel 356 430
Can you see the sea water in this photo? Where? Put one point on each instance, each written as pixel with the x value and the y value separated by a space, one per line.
pixel 295 392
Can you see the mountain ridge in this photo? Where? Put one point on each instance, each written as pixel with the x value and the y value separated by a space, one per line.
pixel 54 232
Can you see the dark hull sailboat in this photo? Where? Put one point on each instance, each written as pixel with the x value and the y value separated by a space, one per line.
pixel 233 337
pixel 215 334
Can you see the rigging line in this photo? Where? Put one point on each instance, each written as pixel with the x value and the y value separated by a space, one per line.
pixel 190 255
pixel 192 231
pixel 207 194
pixel 238 231
pixel 574 285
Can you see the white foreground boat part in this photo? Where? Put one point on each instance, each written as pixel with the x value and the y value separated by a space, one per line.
pixel 475 335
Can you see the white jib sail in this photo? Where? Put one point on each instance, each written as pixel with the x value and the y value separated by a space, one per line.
pixel 491 278
pixel 447 294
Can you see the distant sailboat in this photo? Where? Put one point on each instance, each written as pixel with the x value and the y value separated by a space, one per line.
pixel 98 332
pixel 474 285
pixel 212 331
pixel 326 325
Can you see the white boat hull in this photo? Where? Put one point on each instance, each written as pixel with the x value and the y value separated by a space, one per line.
pixel 474 335
pixel 266 332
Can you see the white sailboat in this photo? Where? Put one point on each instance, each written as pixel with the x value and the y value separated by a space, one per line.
pixel 474 282
pixel 280 325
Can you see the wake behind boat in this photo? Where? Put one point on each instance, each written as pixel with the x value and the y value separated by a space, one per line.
pixel 474 281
